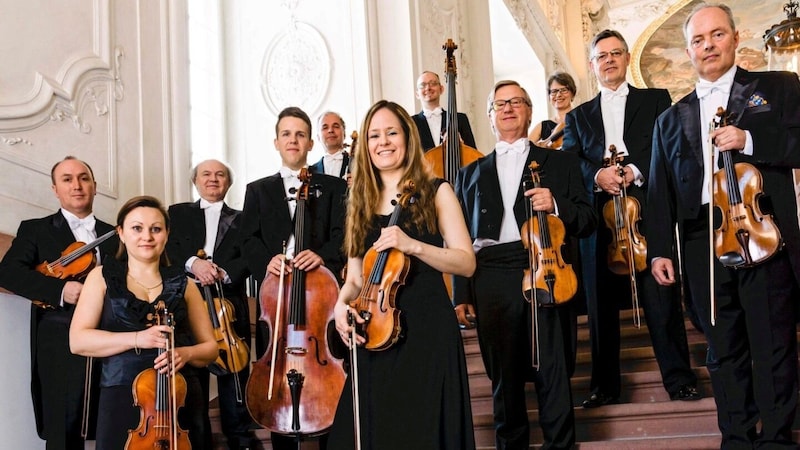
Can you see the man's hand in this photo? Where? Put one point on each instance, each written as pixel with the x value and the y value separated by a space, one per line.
pixel 729 138
pixel 71 292
pixel 608 179
pixel 662 271
pixel 206 272
pixel 466 315
pixel 541 199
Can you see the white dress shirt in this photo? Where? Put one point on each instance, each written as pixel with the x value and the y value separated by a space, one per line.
pixel 290 185
pixel 434 118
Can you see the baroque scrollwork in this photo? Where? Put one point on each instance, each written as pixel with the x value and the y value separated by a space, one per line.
pixel 14 140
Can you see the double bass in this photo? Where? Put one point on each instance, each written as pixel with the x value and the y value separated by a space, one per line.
pixel 446 159
pixel 548 280
pixel 627 251
pixel 294 387
pixel 159 395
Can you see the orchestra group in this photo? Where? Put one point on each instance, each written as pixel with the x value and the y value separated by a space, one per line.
pixel 372 260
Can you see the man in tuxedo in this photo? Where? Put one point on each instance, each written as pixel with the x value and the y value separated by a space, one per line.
pixel 752 357
pixel 268 219
pixel 211 225
pixel 336 161
pixel 57 376
pixel 431 121
pixel 494 203
pixel 623 116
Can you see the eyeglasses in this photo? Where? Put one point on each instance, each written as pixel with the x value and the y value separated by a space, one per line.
pixel 603 57
pixel 430 84
pixel 515 103
pixel 563 91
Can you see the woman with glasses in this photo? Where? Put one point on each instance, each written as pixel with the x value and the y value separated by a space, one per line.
pixel 562 90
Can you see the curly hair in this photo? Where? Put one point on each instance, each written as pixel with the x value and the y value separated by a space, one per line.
pixel 365 192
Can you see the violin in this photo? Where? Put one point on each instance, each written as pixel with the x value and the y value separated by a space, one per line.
pixel 294 387
pixel 76 261
pixel 384 273
pixel 234 353
pixel 746 236
pixel 556 138
pixel 627 252
pixel 159 396
pixel 446 159
pixel 349 166
pixel 543 235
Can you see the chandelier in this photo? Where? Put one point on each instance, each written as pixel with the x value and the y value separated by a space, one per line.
pixel 782 41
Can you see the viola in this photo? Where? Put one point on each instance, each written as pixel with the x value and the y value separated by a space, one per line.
pixel 543 235
pixel 746 236
pixel 556 138
pixel 294 387
pixel 452 154
pixel 159 396
pixel 627 252
pixel 384 273
pixel 233 351
pixel 76 261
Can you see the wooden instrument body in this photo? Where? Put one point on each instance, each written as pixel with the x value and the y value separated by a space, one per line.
pixel 555 280
pixel 376 301
pixel 746 236
pixel 621 215
pixel 234 353
pixel 156 421
pixel 302 348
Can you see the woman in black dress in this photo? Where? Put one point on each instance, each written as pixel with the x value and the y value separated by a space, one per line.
pixel 114 321
pixel 561 90
pixel 415 394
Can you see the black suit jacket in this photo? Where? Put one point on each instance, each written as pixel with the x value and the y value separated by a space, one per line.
pixel 478 191
pixel 188 234
pixel 319 166
pixel 584 134
pixel 266 222
pixel 425 131
pixel 41 240
pixel 763 103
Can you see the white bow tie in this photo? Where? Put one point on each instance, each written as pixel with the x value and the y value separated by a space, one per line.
pixel 87 222
pixel 289 173
pixel 334 157
pixel 205 204
pixel 704 87
pixel 518 146
pixel 435 113
pixel 608 94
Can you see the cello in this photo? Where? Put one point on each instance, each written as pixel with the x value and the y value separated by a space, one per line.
pixel 159 396
pixel 627 251
pixel 294 387
pixel 548 280
pixel 384 273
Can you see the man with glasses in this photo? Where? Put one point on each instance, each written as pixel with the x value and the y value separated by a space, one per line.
pixel 433 117
pixel 494 205
pixel 623 116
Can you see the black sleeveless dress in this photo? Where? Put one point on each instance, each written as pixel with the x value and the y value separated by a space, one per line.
pixel 122 312
pixel 414 395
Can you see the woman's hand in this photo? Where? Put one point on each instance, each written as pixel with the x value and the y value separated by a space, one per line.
pixel 394 237
pixel 153 337
pixel 341 314
pixel 171 362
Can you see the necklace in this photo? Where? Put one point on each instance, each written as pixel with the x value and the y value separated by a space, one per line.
pixel 148 289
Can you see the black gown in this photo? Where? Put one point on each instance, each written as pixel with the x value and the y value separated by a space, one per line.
pixel 122 311
pixel 414 395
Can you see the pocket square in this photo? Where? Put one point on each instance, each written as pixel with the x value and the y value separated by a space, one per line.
pixel 756 100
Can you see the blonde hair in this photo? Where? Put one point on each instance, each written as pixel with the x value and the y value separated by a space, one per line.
pixel 365 193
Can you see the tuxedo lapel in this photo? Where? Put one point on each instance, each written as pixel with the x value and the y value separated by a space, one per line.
pixel 488 183
pixel 594 117
pixel 276 195
pixel 741 90
pixel 540 156
pixel 226 217
pixel 63 233
pixel 689 112
pixel 632 105
pixel 345 164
